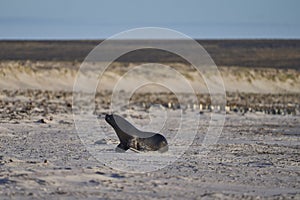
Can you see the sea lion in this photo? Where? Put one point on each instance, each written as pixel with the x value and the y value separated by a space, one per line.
pixel 131 137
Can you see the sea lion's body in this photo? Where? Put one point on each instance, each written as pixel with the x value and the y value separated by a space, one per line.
pixel 131 137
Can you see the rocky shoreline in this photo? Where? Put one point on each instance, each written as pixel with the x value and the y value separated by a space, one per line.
pixel 21 104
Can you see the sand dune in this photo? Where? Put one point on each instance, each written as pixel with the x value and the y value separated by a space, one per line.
pixel 61 76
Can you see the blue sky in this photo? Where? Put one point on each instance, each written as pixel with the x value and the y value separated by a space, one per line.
pixel 96 19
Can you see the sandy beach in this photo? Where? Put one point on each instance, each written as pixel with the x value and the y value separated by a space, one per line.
pixel 257 155
pixel 42 155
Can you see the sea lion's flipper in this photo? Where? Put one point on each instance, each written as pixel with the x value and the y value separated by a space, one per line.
pixel 163 149
pixel 121 148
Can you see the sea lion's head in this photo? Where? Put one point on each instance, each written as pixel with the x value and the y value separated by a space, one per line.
pixel 110 119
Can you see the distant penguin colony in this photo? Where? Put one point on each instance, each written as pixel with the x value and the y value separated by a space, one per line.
pixel 132 138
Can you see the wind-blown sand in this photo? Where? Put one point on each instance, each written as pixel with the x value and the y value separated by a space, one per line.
pixel 42 156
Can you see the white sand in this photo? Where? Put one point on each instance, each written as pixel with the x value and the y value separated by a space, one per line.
pixel 254 158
